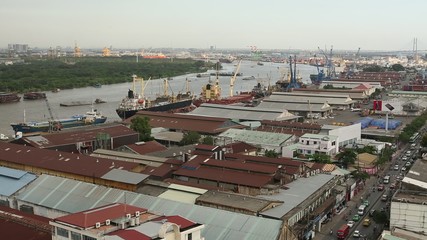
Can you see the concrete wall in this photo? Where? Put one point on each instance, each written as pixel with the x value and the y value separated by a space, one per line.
pixel 347 134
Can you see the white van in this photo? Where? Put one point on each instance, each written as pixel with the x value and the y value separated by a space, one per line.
pixel 361 210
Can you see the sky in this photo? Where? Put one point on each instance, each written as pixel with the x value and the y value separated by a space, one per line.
pixel 269 24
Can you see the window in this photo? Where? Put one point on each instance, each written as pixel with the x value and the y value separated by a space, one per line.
pixel 314 142
pixel 190 236
pixel 76 236
pixel 62 232
pixel 88 238
pixel 333 143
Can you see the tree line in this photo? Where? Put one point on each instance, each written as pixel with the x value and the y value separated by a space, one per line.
pixel 67 73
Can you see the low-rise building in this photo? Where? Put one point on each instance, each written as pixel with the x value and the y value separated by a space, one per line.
pixel 123 221
pixel 318 144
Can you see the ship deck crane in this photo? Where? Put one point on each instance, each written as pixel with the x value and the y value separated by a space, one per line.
pixel 233 78
pixel 53 124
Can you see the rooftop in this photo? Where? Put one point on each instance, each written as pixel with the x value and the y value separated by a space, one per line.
pixel 417 175
pixel 298 191
pixel 12 180
pixel 256 137
pixel 49 191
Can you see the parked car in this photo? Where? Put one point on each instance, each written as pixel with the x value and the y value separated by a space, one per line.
pixel 366 203
pixel 351 223
pixel 407 164
pixel 356 217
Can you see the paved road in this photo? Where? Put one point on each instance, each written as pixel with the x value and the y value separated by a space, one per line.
pixel 374 197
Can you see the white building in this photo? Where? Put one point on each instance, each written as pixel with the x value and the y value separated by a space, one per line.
pixel 317 143
pixel 346 134
pixel 122 221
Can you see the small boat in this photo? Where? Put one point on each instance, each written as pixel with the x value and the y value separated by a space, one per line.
pixel 97 85
pixel 9 97
pixel 3 137
pixel 249 78
pixel 260 64
pixel 34 95
pixel 92 117
pixel 81 103
pixel 56 90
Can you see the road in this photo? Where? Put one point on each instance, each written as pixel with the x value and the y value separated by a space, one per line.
pixel 371 193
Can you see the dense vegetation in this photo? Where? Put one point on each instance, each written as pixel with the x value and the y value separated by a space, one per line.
pixel 412 128
pixel 67 73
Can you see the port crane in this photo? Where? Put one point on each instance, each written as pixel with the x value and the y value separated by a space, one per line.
pixel 293 83
pixel 320 73
pixel 352 69
pixel 233 78
pixel 54 125
pixel 330 68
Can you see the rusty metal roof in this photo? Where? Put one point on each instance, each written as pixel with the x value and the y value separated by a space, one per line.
pixel 60 161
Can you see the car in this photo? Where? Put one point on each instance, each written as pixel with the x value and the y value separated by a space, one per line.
pixel 407 164
pixel 350 223
pixel 384 198
pixel 393 186
pixel 396 167
pixel 408 153
pixel 366 222
pixel 366 203
pixel 380 187
pixel 372 212
pixel 404 159
pixel 403 169
pixel 356 218
pixel 357 234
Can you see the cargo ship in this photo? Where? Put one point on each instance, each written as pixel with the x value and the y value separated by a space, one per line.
pixel 92 117
pixel 81 103
pixel 9 97
pixel 135 102
pixel 34 95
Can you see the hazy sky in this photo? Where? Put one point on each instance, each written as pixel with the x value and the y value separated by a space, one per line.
pixel 268 24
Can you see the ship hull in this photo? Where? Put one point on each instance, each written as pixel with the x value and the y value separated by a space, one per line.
pixel 44 126
pixel 124 114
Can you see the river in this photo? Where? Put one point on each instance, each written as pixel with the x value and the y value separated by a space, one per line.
pixel 37 110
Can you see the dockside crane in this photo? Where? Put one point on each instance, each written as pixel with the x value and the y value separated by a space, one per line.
pixel 54 125
pixel 352 69
pixel 330 67
pixel 233 78
pixel 293 83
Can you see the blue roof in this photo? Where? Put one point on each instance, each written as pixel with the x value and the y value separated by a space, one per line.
pixel 12 180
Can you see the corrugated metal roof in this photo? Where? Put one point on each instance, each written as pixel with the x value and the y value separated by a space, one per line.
pixel 184 197
pixel 125 176
pixel 12 180
pixel 183 188
pixel 257 137
pixel 219 224
pixel 300 107
pixel 298 192
pixel 244 113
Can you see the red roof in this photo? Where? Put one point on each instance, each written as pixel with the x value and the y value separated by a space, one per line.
pixel 147 147
pixel 90 217
pixel 241 147
pixel 226 176
pixel 206 147
pixel 70 137
pixel 240 166
pixel 178 220
pixel 260 159
pixel 60 161
pixel 130 234
pixel 211 125
pixel 19 225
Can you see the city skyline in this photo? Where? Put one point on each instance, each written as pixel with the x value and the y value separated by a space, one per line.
pixel 370 25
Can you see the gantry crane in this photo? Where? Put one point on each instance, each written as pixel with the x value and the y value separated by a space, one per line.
pixel 293 83
pixel 233 78
pixel 352 69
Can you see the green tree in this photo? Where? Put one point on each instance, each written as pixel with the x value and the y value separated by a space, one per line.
pixel 347 157
pixel 404 137
pixel 320 158
pixel 271 153
pixel 373 68
pixel 142 126
pixel 397 67
pixel 208 140
pixel 190 138
pixel 367 149
pixel 424 141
